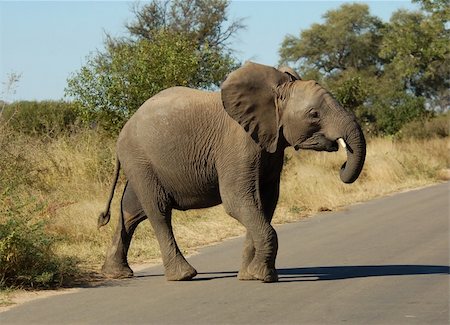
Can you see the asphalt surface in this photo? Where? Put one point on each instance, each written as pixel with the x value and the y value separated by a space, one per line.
pixel 382 262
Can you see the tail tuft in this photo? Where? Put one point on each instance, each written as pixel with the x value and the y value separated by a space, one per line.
pixel 103 219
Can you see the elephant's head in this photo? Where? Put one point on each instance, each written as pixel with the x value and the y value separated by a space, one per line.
pixel 270 103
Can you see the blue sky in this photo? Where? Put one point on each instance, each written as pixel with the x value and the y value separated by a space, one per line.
pixel 47 41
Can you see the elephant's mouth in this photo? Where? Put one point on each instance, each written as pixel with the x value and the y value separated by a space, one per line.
pixel 318 142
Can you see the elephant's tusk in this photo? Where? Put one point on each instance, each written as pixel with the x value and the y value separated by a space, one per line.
pixel 342 143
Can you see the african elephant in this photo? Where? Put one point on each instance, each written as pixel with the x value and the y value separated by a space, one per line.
pixel 190 149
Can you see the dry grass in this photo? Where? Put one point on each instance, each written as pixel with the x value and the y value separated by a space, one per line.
pixel 311 180
pixel 74 178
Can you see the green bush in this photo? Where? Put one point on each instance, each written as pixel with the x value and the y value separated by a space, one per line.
pixel 393 111
pixel 27 257
pixel 49 118
pixel 350 91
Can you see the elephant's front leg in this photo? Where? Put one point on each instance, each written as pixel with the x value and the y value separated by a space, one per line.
pixel 262 267
pixel 269 196
pixel 261 244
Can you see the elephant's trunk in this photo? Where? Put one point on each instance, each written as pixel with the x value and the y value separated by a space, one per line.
pixel 356 152
pixel 346 129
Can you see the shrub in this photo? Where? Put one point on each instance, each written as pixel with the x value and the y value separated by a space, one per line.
pixel 27 258
pixel 27 247
pixel 396 110
pixel 49 118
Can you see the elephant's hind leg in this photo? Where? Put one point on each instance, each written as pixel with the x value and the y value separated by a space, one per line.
pixel 158 208
pixel 175 265
pixel 131 215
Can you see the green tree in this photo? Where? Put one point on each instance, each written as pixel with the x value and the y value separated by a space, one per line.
pixel 384 72
pixel 202 20
pixel 176 43
pixel 439 7
pixel 342 54
pixel 348 39
pixel 415 46
pixel 203 23
pixel 113 85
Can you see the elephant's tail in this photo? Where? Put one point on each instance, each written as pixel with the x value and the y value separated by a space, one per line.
pixel 104 217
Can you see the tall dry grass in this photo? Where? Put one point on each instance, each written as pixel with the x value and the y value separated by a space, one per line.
pixel 311 183
pixel 72 177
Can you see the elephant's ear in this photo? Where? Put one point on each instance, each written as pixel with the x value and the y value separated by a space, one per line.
pixel 249 97
pixel 291 72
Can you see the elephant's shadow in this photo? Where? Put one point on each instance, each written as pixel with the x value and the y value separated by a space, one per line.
pixel 330 273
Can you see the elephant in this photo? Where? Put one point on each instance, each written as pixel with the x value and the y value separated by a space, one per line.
pixel 189 149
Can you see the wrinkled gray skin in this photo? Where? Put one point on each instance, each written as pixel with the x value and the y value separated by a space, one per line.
pixel 189 149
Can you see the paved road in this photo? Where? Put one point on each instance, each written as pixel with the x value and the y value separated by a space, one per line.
pixel 381 262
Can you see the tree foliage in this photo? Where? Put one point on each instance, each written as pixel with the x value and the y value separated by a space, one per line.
pixel 415 46
pixel 112 85
pixel 171 43
pixel 387 73
pixel 203 22
pixel 349 38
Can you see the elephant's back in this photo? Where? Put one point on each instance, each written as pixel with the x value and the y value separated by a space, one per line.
pixel 177 133
pixel 178 99
pixel 178 113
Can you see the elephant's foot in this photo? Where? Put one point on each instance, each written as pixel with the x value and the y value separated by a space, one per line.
pixel 244 275
pixel 262 272
pixel 182 271
pixel 117 271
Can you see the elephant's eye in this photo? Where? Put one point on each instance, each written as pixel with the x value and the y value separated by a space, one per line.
pixel 313 114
